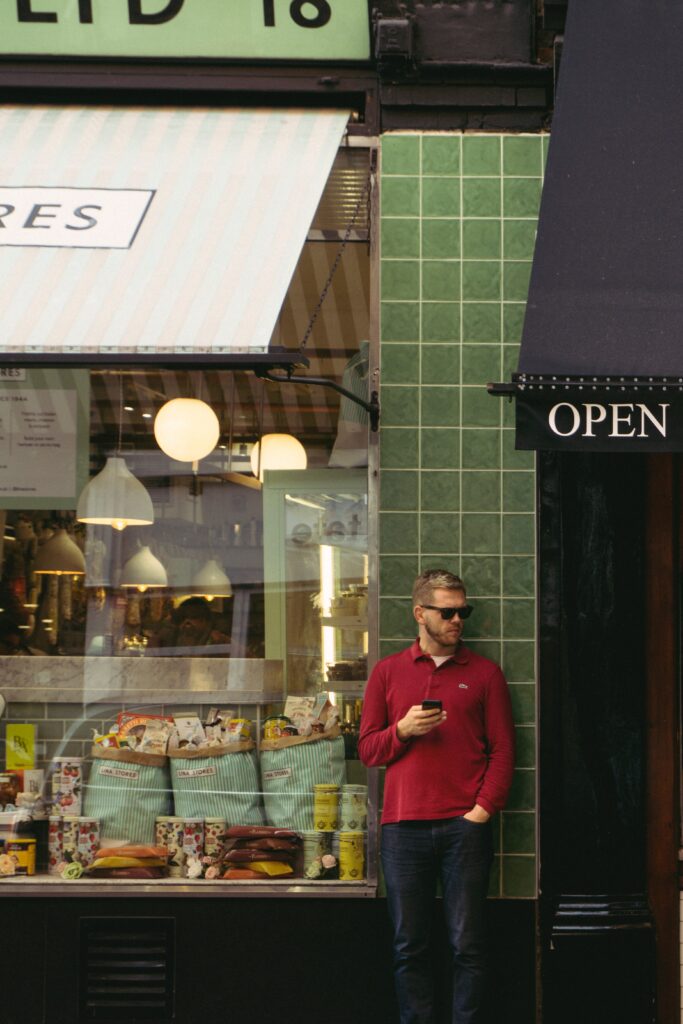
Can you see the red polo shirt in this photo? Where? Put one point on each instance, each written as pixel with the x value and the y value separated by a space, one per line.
pixel 466 760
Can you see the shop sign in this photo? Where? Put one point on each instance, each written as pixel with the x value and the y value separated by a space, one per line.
pixel 316 30
pixel 611 420
pixel 72 218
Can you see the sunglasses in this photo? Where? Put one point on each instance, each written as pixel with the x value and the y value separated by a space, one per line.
pixel 447 614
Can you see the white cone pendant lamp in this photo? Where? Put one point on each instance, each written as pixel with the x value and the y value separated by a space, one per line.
pixel 211 581
pixel 59 556
pixel 277 451
pixel 186 429
pixel 143 570
pixel 115 498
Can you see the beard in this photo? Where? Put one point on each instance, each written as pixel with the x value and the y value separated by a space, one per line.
pixel 443 635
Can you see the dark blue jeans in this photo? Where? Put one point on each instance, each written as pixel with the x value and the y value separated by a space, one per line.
pixel 414 855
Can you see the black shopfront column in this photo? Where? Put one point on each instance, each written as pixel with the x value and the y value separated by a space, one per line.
pixel 597 936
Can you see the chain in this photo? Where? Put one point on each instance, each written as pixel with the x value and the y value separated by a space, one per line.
pixel 345 241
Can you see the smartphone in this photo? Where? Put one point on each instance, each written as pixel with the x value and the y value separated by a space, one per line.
pixel 431 705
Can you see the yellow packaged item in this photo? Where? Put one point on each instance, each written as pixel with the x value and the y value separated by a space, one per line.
pixel 271 867
pixel 128 862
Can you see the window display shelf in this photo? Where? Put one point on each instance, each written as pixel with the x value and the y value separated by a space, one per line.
pixel 345 622
pixel 42 885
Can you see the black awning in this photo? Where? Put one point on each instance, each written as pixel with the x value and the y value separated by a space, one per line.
pixel 606 291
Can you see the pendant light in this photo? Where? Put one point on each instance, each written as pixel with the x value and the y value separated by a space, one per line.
pixel 186 429
pixel 211 582
pixel 59 556
pixel 143 570
pixel 115 497
pixel 277 451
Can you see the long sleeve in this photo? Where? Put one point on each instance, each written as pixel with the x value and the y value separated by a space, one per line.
pixel 500 738
pixel 378 743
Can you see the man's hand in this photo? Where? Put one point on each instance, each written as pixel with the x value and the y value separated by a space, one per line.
pixel 417 722
pixel 478 815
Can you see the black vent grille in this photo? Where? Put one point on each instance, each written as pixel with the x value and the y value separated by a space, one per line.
pixel 126 970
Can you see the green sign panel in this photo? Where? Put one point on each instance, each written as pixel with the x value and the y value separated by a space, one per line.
pixel 223 29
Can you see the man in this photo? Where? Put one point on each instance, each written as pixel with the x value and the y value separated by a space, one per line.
pixel 191 625
pixel 448 770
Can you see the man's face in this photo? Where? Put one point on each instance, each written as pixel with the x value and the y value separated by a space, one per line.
pixel 192 631
pixel 444 632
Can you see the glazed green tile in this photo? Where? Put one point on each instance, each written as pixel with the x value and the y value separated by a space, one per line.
pixel 519 618
pixel 481 280
pixel 523 697
pixel 481 154
pixel 399 447
pixel 387 647
pixel 398 533
pixel 396 574
pixel 516 280
pixel 441 321
pixel 480 533
pixel 398 490
pixel 481 322
pixel 523 790
pixel 494 890
pixel 400 238
pixel 508 415
pixel 439 491
pixel 479 408
pixel 510 360
pixel 487 648
pixel 521 197
pixel 440 406
pixel 400 363
pixel 448 560
pixel 440 448
pixel 481 197
pixel 481 574
pixel 522 155
pixel 485 620
pixel 396 617
pixel 440 197
pixel 441 280
pixel 400 279
pixel 480 491
pixel 519 832
pixel 481 239
pixel 519 877
pixel 400 406
pixel 519 576
pixel 518 661
pixel 440 364
pixel 525 745
pixel 400 321
pixel 519 239
pixel 512 458
pixel 441 239
pixel 441 154
pixel 480 449
pixel 546 143
pixel 519 535
pixel 439 531
pixel 496 830
pixel 480 364
pixel 400 154
pixel 519 492
pixel 513 321
pixel 400 197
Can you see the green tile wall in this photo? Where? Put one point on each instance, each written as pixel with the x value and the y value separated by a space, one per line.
pixel 458 227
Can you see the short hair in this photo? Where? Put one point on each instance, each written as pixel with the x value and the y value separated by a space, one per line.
pixel 193 608
pixel 434 579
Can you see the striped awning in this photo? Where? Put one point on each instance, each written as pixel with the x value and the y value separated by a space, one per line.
pixel 154 231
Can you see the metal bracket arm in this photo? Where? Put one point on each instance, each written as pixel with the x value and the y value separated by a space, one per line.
pixel 372 407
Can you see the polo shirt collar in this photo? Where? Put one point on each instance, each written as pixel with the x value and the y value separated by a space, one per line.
pixel 461 656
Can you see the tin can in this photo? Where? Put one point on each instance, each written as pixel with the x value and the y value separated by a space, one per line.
pixel 193 837
pixel 325 808
pixel 88 840
pixel 23 853
pixel 170 832
pixel 67 783
pixel 273 726
pixel 354 808
pixel 55 844
pixel 351 856
pixel 213 827
pixel 69 838
pixel 315 846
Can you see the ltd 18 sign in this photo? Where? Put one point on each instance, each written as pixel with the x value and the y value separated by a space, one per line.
pixel 223 29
